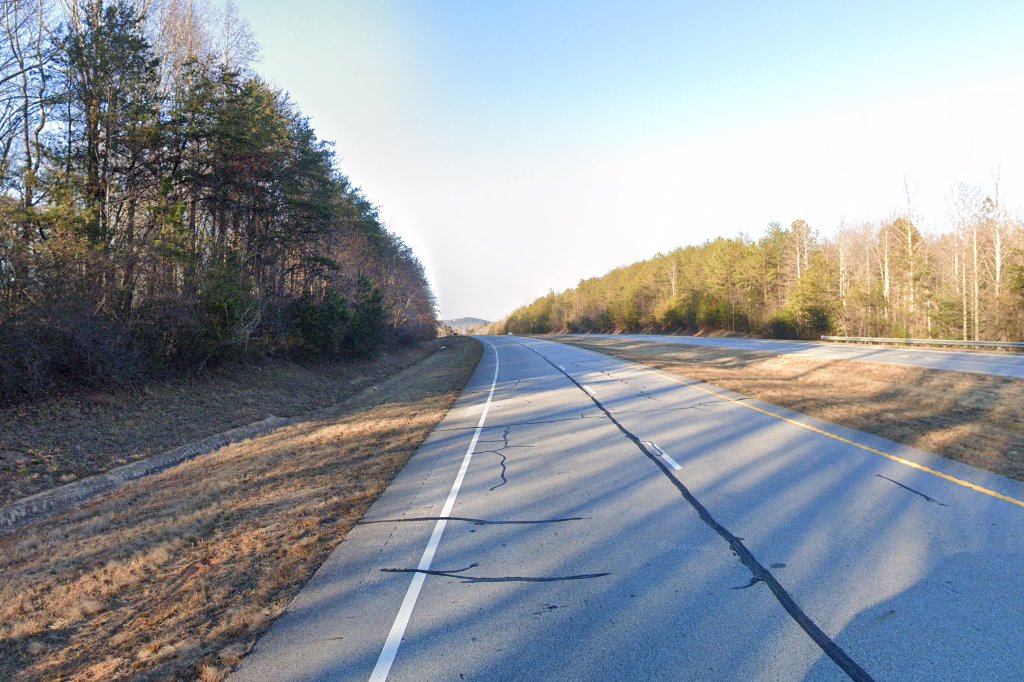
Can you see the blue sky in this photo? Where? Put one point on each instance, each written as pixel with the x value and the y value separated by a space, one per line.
pixel 521 146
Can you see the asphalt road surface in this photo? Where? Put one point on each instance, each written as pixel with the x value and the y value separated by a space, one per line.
pixel 996 364
pixel 577 517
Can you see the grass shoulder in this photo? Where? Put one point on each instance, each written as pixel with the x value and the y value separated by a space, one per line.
pixel 45 443
pixel 176 575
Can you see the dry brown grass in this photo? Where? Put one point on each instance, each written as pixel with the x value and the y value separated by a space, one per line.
pixel 971 418
pixel 49 442
pixel 174 577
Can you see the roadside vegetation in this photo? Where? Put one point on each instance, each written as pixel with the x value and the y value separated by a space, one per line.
pixel 971 418
pixel 54 440
pixel 175 576
pixel 180 255
pixel 164 208
pixel 893 278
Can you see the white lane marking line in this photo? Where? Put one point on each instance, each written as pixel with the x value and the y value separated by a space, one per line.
pixel 390 650
pixel 589 390
pixel 661 453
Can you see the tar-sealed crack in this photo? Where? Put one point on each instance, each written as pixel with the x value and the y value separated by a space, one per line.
pixel 701 407
pixel 498 451
pixel 548 607
pixel 476 522
pixel 508 402
pixel 758 572
pixel 504 480
pixel 466 579
pixel 528 423
pixel 916 492
pixel 706 403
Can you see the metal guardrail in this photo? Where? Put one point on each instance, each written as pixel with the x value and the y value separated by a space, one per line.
pixel 1006 345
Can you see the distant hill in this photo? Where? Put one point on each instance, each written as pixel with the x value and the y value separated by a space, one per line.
pixel 463 324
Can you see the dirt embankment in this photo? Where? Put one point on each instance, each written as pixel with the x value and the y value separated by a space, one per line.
pixel 49 442
pixel 970 418
pixel 174 576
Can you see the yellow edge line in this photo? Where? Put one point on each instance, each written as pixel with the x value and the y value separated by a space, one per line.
pixel 894 458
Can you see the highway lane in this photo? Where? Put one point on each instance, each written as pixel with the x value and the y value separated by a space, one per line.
pixel 996 364
pixel 781 547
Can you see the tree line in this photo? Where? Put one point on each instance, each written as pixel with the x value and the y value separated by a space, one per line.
pixel 888 278
pixel 164 207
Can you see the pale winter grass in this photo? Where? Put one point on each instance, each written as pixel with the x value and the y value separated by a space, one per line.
pixel 47 442
pixel 971 418
pixel 175 576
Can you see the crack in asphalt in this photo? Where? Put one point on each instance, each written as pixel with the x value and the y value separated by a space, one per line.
pixel 916 492
pixel 475 522
pixel 468 579
pixel 498 451
pixel 698 406
pixel 507 402
pixel 530 423
pixel 852 669
pixel 502 463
